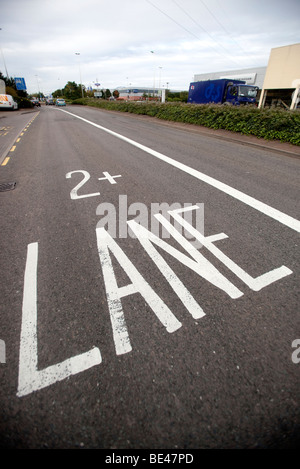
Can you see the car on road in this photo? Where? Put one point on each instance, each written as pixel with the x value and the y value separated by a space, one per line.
pixel 60 102
pixel 49 102
pixel 8 102
pixel 36 102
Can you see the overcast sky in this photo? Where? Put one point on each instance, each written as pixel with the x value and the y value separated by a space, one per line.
pixel 39 39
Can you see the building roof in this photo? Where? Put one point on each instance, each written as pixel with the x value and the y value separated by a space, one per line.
pixel 252 76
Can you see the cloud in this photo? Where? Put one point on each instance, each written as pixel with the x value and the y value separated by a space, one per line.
pixel 115 39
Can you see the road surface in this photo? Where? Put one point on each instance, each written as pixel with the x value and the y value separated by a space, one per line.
pixel 150 285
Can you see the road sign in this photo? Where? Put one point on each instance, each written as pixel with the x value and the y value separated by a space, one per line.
pixel 20 84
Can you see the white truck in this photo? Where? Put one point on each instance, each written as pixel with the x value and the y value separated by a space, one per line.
pixel 8 102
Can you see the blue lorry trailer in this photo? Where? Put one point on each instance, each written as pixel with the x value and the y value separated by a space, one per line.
pixel 222 91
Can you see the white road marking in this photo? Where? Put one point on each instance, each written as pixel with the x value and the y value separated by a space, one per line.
pixel 114 293
pixel 2 351
pixel 255 284
pixel 146 239
pixel 197 262
pixel 200 264
pixel 110 178
pixel 74 192
pixel 30 378
pixel 271 212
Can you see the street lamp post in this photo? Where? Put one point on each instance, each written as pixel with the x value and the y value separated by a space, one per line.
pixel 160 68
pixel 159 81
pixel 78 53
pixel 152 52
pixel 37 79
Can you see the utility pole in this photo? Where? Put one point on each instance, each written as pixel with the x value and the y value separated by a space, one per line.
pixel 78 53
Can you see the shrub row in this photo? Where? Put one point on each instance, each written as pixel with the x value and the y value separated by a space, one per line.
pixel 270 124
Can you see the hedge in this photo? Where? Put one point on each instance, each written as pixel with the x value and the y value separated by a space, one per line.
pixel 269 124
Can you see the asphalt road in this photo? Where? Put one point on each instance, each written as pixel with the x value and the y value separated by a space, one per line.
pixel 160 338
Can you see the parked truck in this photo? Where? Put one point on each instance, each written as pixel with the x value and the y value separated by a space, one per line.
pixel 222 91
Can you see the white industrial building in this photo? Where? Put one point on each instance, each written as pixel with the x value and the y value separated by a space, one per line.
pixel 282 80
pixel 252 76
pixel 132 93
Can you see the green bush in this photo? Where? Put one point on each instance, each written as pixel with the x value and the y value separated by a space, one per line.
pixel 23 103
pixel 270 124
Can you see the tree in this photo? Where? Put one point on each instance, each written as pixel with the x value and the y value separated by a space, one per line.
pixel 37 95
pixel 72 90
pixel 57 93
pixel 11 91
pixel 116 94
pixel 107 94
pixel 89 93
pixel 8 81
pixel 181 96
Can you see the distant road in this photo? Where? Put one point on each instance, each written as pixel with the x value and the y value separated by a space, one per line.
pixel 150 287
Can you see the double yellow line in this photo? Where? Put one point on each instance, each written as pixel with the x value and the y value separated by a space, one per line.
pixel 18 139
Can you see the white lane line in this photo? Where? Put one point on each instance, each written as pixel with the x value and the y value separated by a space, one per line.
pixel 271 212
pixel 30 377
